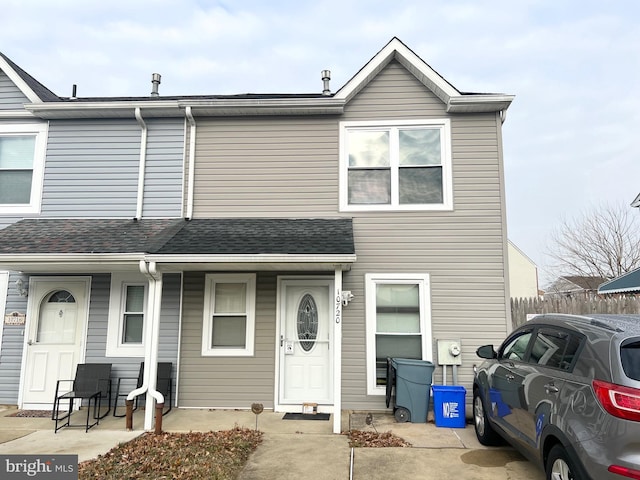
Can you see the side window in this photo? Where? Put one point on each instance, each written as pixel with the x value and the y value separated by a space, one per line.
pixel 554 348
pixel 516 348
pixel 127 302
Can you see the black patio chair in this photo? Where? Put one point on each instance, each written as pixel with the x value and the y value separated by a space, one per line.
pixel 92 383
pixel 164 383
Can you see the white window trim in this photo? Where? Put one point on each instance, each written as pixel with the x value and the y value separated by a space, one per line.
pixel 210 280
pixel 371 280
pixel 115 347
pixel 447 180
pixel 40 131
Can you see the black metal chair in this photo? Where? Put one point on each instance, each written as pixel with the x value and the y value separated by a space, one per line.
pixel 92 383
pixel 164 383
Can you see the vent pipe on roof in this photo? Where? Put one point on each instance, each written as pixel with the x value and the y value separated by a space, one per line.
pixel 155 83
pixel 74 90
pixel 326 77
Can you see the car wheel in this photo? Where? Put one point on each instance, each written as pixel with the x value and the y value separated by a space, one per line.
pixel 402 415
pixel 484 431
pixel 560 466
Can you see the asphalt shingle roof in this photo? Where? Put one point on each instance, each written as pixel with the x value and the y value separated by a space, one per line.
pixel 230 236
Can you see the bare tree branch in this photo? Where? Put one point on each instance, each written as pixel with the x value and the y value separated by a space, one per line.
pixel 603 242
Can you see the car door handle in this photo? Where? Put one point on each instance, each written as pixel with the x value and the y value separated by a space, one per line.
pixel 551 388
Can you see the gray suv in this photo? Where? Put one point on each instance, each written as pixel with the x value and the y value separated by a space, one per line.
pixel 565 391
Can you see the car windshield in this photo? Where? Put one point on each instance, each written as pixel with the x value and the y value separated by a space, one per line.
pixel 630 356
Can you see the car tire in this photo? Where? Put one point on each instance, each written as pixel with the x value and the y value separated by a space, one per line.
pixel 484 431
pixel 560 466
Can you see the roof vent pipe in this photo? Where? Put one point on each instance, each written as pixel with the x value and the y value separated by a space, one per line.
pixel 155 83
pixel 326 76
pixel 74 91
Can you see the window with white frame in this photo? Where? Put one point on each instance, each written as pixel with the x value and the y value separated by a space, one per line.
pixel 395 165
pixel 398 319
pixel 22 153
pixel 229 315
pixel 127 306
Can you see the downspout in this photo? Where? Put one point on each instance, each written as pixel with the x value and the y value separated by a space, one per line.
pixel 143 161
pixel 152 336
pixel 192 159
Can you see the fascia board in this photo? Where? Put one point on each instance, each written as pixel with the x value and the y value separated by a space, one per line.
pixel 260 258
pixel 104 109
pixel 396 49
pixel 224 107
pixel 18 81
pixel 479 103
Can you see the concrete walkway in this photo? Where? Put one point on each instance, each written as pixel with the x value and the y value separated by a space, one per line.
pixel 293 449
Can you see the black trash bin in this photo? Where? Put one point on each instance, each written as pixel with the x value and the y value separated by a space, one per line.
pixel 412 381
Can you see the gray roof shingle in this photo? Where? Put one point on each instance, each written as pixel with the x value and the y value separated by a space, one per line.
pixel 221 236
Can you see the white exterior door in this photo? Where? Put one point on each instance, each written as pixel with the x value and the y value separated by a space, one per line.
pixel 57 316
pixel 306 342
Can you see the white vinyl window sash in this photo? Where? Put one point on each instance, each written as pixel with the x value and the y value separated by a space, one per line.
pixel 127 308
pixel 22 155
pixel 228 327
pixel 399 165
pixel 398 321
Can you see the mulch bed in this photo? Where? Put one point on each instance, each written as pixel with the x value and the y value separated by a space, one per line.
pixel 31 414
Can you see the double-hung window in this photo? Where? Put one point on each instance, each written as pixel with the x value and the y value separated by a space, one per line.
pixel 395 165
pixel 398 318
pixel 229 315
pixel 127 307
pixel 22 152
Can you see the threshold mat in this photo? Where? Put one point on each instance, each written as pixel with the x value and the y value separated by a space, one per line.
pixel 306 416
pixel 31 414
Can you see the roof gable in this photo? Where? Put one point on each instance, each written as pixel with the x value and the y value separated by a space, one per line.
pixel 454 100
pixel 29 86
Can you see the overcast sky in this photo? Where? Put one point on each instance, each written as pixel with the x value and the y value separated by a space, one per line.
pixel 571 137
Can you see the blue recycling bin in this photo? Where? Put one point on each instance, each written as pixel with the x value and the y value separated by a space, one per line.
pixel 449 406
pixel 413 388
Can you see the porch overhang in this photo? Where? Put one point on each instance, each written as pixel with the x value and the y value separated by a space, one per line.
pixel 175 245
pixel 627 283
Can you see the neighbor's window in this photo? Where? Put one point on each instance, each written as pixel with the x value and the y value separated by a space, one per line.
pixel 22 150
pixel 229 315
pixel 398 323
pixel 127 305
pixel 396 166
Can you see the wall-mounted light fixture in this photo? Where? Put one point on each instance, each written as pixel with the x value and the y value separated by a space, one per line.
pixel 22 291
pixel 347 296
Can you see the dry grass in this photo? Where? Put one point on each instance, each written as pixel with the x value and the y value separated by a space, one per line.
pixel 185 456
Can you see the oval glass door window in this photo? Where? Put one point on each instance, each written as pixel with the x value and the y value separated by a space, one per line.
pixel 307 323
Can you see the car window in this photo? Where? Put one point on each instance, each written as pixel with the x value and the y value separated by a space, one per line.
pixel 630 356
pixel 516 347
pixel 554 348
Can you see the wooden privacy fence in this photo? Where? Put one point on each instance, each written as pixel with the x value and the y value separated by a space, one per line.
pixel 521 307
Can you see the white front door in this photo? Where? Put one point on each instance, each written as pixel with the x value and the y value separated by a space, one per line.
pixel 57 317
pixel 306 341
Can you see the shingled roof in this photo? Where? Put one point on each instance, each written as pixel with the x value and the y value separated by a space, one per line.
pixel 220 236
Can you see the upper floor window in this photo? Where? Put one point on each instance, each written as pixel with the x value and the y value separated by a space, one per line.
pixel 22 152
pixel 395 165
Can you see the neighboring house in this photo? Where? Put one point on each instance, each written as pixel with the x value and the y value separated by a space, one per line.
pixel 636 201
pixel 523 274
pixel 574 286
pixel 276 248
pixel 625 283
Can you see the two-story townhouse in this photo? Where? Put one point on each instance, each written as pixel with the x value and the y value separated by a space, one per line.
pixel 277 248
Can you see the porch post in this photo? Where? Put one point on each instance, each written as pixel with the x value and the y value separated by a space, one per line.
pixel 337 351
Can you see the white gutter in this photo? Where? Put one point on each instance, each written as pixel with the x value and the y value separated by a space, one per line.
pixel 192 159
pixel 143 161
pixel 151 338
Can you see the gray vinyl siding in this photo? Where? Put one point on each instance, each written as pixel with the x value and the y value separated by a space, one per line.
pixel 11 98
pixel 227 382
pixel 92 168
pixel 164 170
pixel 98 319
pixel 266 166
pixel 12 345
pixel 462 250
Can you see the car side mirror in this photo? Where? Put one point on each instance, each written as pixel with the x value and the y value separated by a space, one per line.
pixel 486 351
